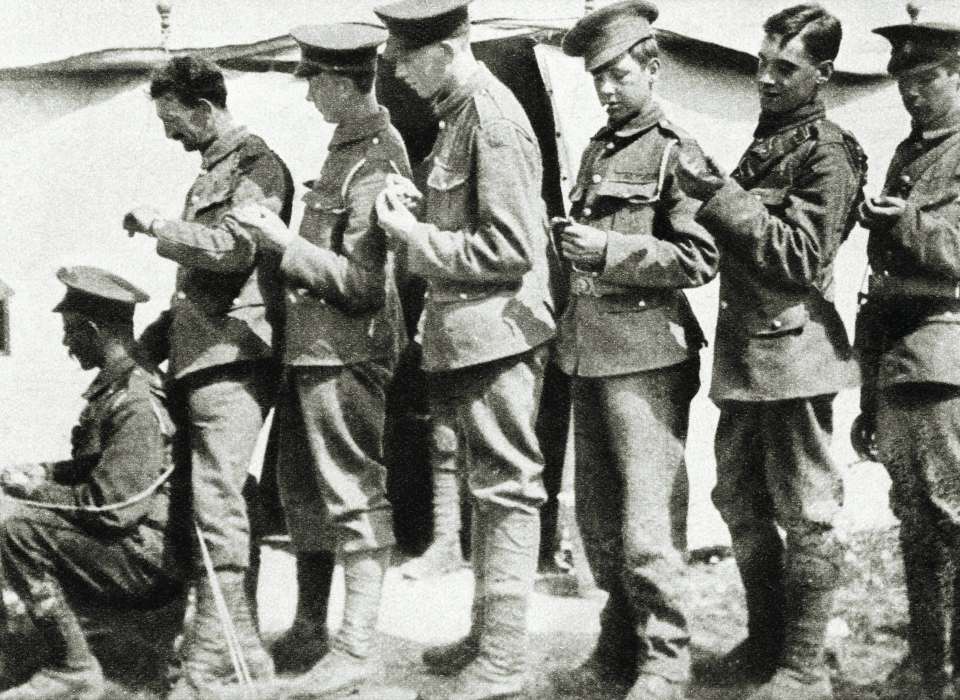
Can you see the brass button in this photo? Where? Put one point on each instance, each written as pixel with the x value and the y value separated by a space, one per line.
pixel 462 295
pixel 597 177
pixel 442 124
pixel 181 295
pixel 776 323
pixel 302 292
pixel 376 140
pixel 641 303
pixel 724 304
pixel 587 211
pixel 292 297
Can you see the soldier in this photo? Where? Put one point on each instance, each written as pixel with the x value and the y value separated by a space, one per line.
pixel 342 336
pixel 217 336
pixel 480 241
pixel 782 354
pixel 98 527
pixel 909 339
pixel 632 244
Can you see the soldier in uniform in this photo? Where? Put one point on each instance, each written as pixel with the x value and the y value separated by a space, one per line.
pixel 343 328
pixel 218 339
pixel 782 354
pixel 99 527
pixel 909 338
pixel 630 341
pixel 480 240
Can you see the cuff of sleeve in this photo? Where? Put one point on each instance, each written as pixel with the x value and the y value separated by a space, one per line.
pixel 620 248
pixel 417 243
pixel 907 226
pixel 720 208
pixel 294 264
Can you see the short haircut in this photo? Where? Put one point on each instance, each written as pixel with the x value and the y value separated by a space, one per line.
pixel 190 79
pixel 818 29
pixel 645 50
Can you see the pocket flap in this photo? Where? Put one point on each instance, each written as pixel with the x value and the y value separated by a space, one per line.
pixel 633 191
pixel 324 201
pixel 789 321
pixel 443 178
pixel 628 303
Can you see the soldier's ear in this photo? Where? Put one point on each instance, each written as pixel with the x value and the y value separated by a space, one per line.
pixel 653 69
pixel 824 71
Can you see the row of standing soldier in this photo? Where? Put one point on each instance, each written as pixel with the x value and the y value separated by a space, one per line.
pixel 650 216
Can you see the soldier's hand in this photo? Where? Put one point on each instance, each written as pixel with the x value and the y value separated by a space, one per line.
pixel 583 245
pixel 863 436
pixel 141 220
pixel 406 191
pixel 21 480
pixel 698 174
pixel 881 211
pixel 267 228
pixel 394 217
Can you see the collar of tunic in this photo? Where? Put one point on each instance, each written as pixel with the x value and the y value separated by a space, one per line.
pixel 451 103
pixel 645 119
pixel 223 146
pixel 945 126
pixel 770 124
pixel 359 129
pixel 114 370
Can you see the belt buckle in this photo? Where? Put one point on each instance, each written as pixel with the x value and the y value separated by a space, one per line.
pixel 584 285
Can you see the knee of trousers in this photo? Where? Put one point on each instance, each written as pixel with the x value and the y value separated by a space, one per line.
pixel 814 556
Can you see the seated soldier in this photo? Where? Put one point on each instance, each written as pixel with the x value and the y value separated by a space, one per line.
pixel 97 528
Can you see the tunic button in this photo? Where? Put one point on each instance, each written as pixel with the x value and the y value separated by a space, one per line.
pixel 776 323
pixel 723 304
pixel 292 297
pixel 442 124
pixel 641 303
pixel 587 211
pixel 610 145
pixel 597 177
pixel 235 302
pixel 376 140
pixel 302 292
pixel 462 295
pixel 181 295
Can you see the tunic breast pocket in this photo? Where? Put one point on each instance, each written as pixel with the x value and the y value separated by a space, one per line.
pixel 631 203
pixel 322 216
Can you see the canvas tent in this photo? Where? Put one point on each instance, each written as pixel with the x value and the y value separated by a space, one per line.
pixel 80 146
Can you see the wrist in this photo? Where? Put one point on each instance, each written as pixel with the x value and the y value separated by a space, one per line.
pixel 155 223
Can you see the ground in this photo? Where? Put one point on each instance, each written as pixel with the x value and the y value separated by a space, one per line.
pixel 866 638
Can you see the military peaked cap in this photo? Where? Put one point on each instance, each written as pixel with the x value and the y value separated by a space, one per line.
pixel 346 47
pixel 607 33
pixel 415 23
pixel 97 293
pixel 920 45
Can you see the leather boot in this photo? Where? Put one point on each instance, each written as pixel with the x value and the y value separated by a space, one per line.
pixel 450 659
pixel 352 659
pixel 613 663
pixel 74 671
pixel 510 563
pixel 760 562
pixel 205 656
pixel 444 554
pixel 305 643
